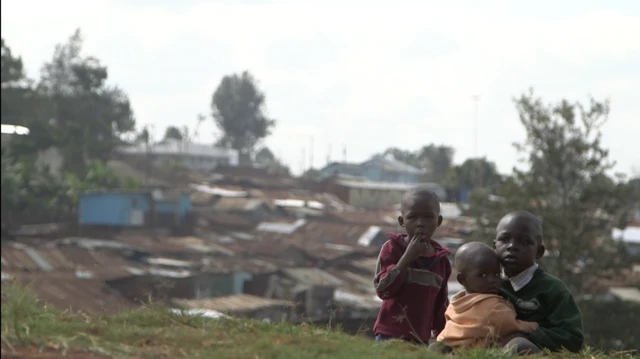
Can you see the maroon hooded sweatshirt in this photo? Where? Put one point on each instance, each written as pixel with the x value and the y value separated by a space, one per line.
pixel 414 302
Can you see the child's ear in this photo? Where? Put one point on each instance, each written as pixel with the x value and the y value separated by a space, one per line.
pixel 461 279
pixel 439 220
pixel 541 250
pixel 401 221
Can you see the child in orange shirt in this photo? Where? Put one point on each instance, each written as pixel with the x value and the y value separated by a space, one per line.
pixel 478 316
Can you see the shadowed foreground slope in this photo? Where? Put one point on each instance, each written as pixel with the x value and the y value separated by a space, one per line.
pixel 33 331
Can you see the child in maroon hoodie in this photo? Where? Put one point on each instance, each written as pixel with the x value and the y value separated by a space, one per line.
pixel 412 273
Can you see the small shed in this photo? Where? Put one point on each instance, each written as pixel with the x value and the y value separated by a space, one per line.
pixel 134 208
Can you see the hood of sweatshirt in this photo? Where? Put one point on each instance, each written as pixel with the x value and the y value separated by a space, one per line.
pixel 463 301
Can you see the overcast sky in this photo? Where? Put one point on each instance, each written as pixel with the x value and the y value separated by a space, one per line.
pixel 365 74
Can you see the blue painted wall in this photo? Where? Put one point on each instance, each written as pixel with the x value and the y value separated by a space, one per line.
pixel 111 209
pixel 114 209
pixel 184 206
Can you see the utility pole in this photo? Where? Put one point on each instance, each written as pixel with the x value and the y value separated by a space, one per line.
pixel 476 154
pixel 311 152
pixel 476 99
pixel 302 163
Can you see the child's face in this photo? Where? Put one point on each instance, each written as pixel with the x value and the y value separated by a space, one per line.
pixel 420 216
pixel 483 276
pixel 517 244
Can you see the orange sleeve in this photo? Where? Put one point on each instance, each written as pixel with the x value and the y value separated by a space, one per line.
pixel 502 318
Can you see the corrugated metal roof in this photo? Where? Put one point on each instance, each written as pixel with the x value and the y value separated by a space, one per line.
pixel 367 237
pixel 312 276
pixel 627 235
pixel 233 204
pixel 232 304
pixel 228 265
pixel 281 227
pixel 218 191
pixel 359 300
pixel 391 164
pixel 102 264
pixel 367 264
pixel 353 281
pixel 319 231
pixel 65 291
pixel 629 294
pixel 223 219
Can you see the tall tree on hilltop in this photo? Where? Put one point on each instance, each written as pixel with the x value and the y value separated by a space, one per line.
pixel 474 173
pixel 566 185
pixel 173 133
pixel 12 68
pixel 440 159
pixel 90 116
pixel 238 108
pixel 265 156
pixel 23 105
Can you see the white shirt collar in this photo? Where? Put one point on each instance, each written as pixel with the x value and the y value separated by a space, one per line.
pixel 519 281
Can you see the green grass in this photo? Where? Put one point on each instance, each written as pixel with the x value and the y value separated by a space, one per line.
pixel 154 332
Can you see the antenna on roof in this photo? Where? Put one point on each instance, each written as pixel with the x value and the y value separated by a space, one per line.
pixel 329 154
pixel 303 165
pixel 311 154
pixel 344 153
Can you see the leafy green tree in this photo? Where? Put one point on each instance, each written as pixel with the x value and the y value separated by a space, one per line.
pixel 173 132
pixel 21 103
pixel 12 68
pixel 440 159
pixel 565 183
pixel 90 117
pixel 265 156
pixel 238 108
pixel 474 173
pixel 143 137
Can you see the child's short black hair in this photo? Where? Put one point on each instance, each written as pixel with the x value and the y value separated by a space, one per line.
pixel 535 222
pixel 470 253
pixel 419 192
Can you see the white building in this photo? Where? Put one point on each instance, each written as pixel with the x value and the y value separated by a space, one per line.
pixel 190 155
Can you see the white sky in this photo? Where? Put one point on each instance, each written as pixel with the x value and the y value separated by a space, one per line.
pixel 365 74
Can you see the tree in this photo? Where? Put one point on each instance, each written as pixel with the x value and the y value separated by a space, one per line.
pixel 566 185
pixel 474 173
pixel 173 132
pixel 238 108
pixel 12 68
pixel 23 105
pixel 265 156
pixel 90 117
pixel 440 159
pixel 143 137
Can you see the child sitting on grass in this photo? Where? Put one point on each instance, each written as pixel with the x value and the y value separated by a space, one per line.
pixel 477 316
pixel 537 296
pixel 412 273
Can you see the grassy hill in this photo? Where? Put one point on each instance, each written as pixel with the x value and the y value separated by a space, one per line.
pixel 33 331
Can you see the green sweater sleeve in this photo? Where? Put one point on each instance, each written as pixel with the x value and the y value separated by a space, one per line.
pixel 562 329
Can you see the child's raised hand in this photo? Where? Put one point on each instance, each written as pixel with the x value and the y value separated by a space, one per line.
pixel 417 247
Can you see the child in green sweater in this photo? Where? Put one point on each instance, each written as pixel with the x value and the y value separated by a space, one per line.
pixel 536 295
